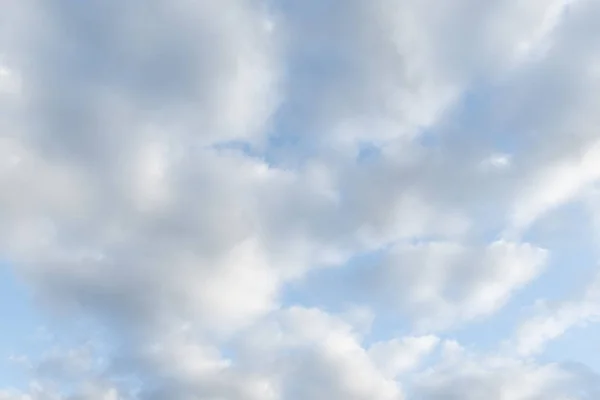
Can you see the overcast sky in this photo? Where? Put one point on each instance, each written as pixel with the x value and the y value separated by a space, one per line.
pixel 299 199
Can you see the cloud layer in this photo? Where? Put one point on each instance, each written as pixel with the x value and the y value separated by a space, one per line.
pixel 233 196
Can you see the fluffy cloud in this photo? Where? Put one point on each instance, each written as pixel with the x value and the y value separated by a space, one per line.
pixel 169 170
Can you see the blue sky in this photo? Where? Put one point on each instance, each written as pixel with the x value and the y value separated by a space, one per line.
pixel 18 332
pixel 263 200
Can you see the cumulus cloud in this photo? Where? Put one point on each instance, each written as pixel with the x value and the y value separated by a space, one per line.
pixel 170 171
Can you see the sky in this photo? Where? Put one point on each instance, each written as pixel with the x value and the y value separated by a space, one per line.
pixel 299 200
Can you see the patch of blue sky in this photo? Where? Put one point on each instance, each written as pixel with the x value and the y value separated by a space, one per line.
pixel 569 237
pixel 579 344
pixel 368 152
pixel 319 287
pixel 238 145
pixel 20 325
pixel 478 123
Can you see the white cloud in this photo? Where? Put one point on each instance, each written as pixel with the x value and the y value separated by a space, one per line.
pixel 398 356
pixel 556 185
pixel 9 82
pixel 331 358
pixel 551 322
pixel 496 161
pixel 494 378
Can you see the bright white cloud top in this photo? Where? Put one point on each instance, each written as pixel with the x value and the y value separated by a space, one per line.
pixel 301 200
